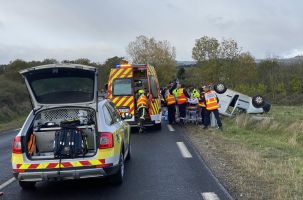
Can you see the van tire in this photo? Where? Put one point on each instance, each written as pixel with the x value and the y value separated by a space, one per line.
pixel 220 88
pixel 27 185
pixel 158 126
pixel 258 101
pixel 117 178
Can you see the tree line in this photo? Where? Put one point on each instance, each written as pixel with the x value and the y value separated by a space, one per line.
pixel 216 61
pixel 279 81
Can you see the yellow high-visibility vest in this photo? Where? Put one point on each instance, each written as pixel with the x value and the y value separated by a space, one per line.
pixel 211 100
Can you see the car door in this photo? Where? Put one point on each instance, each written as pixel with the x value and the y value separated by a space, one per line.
pixel 121 126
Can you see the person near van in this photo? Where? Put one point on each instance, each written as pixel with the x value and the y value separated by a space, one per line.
pixel 212 106
pixel 182 97
pixel 142 108
pixel 195 93
pixel 171 106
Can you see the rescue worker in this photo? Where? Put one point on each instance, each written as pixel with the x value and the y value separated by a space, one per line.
pixel 195 93
pixel 171 106
pixel 182 96
pixel 212 105
pixel 142 109
pixel 202 105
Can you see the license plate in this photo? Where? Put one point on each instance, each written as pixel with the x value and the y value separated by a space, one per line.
pixel 123 110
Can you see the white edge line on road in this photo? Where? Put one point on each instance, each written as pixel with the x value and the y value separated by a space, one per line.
pixel 184 151
pixel 209 196
pixel 170 127
pixel 6 183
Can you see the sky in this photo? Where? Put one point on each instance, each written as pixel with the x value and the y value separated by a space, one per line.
pixel 100 29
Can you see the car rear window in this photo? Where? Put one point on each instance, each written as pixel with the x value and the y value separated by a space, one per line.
pixel 60 90
pixel 122 87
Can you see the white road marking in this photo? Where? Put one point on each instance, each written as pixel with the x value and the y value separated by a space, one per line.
pixel 6 183
pixel 170 127
pixel 209 196
pixel 184 151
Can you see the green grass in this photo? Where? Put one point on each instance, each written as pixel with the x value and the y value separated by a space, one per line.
pixel 13 124
pixel 271 150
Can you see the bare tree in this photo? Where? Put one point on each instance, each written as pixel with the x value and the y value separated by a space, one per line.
pixel 157 53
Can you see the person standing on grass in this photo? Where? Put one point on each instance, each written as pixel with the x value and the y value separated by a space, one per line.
pixel 202 104
pixel 212 106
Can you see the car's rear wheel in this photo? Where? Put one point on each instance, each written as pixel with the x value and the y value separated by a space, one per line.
pixel 220 88
pixel 27 185
pixel 117 178
pixel 258 101
pixel 158 126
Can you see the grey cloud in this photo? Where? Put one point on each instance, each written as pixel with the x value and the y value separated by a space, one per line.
pixel 98 29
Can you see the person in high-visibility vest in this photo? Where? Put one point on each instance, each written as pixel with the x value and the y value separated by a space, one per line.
pixel 171 106
pixel 195 93
pixel 142 108
pixel 202 105
pixel 182 97
pixel 212 106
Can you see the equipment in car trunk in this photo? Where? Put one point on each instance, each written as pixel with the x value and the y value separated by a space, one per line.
pixel 70 142
pixel 31 144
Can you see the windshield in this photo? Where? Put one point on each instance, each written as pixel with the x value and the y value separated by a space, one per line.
pixel 122 87
pixel 59 86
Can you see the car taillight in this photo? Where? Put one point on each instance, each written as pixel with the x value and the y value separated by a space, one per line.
pixel 106 140
pixel 17 145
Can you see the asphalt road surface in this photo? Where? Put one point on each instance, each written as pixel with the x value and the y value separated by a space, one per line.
pixel 163 166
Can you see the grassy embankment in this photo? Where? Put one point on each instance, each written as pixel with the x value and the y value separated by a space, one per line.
pixel 257 159
pixel 16 123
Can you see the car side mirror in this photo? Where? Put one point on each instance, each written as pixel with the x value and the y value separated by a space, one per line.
pixel 125 116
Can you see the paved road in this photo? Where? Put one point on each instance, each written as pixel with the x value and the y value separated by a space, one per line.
pixel 6 139
pixel 160 168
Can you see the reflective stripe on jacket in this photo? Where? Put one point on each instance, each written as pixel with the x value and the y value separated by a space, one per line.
pixel 201 103
pixel 142 101
pixel 170 99
pixel 211 100
pixel 181 96
pixel 202 100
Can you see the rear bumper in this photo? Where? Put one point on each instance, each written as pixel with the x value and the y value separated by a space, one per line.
pixel 66 174
pixel 147 123
pixel 153 120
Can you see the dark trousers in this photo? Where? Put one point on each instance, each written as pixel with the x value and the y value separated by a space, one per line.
pixel 142 111
pixel 207 117
pixel 171 109
pixel 182 111
pixel 203 114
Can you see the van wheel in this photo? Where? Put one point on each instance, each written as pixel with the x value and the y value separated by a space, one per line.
pixel 117 178
pixel 27 185
pixel 158 126
pixel 220 88
pixel 258 101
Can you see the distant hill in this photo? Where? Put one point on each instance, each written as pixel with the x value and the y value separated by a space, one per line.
pixel 295 60
pixel 185 63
